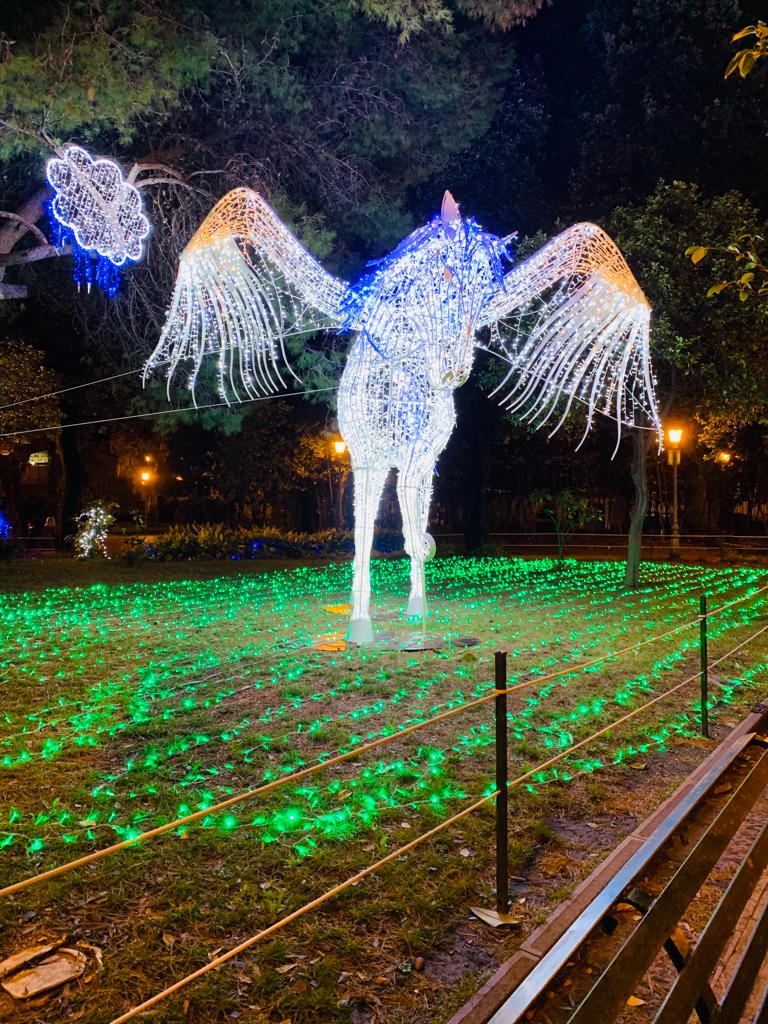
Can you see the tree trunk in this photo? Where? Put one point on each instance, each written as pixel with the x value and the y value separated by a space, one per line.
pixel 12 230
pixel 61 488
pixel 10 488
pixel 474 406
pixel 560 542
pixel 640 443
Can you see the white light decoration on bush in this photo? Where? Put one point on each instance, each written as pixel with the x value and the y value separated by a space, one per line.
pixel 103 212
pixel 575 325
pixel 93 526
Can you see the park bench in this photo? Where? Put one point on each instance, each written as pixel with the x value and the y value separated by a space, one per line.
pixel 584 963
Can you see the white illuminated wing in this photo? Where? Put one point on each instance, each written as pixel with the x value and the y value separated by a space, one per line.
pixel 579 326
pixel 244 285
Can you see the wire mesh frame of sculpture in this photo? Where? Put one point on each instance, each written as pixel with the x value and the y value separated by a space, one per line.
pixel 576 329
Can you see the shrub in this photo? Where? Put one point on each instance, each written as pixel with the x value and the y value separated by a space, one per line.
pixel 10 549
pixel 216 540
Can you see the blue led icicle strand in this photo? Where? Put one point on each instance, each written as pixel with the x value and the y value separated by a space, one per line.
pixel 88 267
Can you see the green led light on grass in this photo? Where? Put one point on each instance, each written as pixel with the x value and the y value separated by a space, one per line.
pixel 132 691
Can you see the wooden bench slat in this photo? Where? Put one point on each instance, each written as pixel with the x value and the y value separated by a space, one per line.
pixel 743 978
pixel 695 974
pixel 539 977
pixel 609 993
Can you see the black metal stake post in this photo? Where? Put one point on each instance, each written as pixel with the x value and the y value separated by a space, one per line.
pixel 502 840
pixel 703 654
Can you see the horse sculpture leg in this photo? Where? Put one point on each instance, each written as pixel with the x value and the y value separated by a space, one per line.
pixel 369 484
pixel 414 489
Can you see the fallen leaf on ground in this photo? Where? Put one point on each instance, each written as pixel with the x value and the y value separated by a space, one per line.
pixel 331 645
pixel 55 970
pixel 26 956
pixel 682 942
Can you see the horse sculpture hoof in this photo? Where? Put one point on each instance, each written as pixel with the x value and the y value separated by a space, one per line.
pixel 360 631
pixel 415 608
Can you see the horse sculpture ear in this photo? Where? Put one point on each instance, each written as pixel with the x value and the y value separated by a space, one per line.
pixel 450 215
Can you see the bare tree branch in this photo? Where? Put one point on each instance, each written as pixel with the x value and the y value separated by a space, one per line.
pixel 40 252
pixel 13 291
pixel 29 226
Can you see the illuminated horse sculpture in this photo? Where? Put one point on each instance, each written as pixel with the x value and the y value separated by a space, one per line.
pixel 576 320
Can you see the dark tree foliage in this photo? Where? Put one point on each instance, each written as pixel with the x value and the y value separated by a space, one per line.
pixel 352 116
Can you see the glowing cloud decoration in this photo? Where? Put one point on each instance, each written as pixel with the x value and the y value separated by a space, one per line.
pixel 95 204
pixel 575 328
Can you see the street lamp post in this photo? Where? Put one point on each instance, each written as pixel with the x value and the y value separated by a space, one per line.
pixel 674 440
pixel 339 448
pixel 147 478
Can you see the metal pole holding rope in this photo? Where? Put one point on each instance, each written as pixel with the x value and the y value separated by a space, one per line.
pixel 502 782
pixel 501 914
pixel 703 656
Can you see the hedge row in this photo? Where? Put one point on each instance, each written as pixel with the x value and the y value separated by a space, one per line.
pixel 204 540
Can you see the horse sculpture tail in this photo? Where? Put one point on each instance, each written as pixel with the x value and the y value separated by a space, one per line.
pixel 244 285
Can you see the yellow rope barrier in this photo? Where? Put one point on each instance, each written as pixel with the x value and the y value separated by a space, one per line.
pixel 90 858
pixel 342 886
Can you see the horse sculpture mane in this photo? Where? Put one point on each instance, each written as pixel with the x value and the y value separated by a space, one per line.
pixel 577 326
pixel 435 281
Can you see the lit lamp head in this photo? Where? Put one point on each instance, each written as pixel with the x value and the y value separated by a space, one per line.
pixel 339 447
pixel 674 440
pixel 724 458
pixel 145 476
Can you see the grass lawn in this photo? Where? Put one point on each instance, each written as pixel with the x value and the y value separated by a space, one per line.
pixel 134 695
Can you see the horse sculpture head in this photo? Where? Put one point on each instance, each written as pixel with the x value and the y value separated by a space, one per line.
pixel 424 299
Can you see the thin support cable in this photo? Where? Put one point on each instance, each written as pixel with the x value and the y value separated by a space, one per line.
pixel 166 412
pixel 62 391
